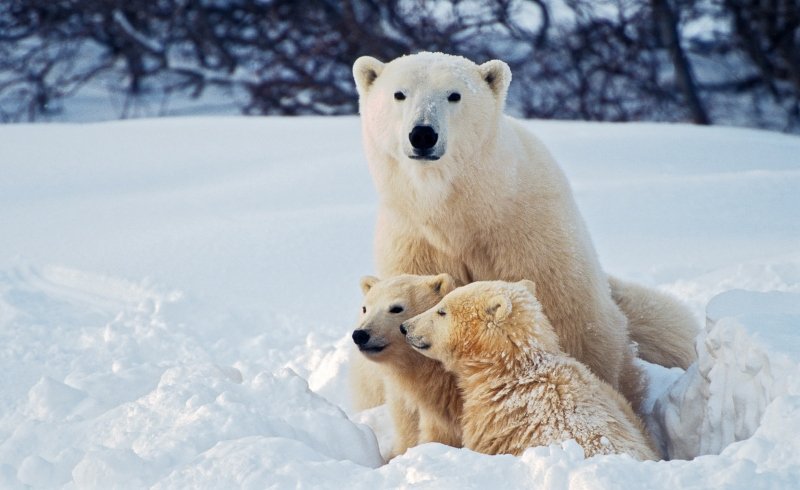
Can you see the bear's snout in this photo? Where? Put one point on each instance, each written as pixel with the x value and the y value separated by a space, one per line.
pixel 423 137
pixel 403 329
pixel 360 337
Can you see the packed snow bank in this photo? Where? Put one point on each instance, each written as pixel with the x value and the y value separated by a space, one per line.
pixel 124 396
pixel 748 359
pixel 176 298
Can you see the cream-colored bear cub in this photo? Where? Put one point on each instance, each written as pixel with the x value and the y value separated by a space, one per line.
pixel 423 398
pixel 519 388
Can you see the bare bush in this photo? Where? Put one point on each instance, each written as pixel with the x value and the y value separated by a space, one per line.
pixel 722 61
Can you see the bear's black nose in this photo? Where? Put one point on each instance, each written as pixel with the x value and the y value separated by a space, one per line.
pixel 423 137
pixel 403 329
pixel 360 337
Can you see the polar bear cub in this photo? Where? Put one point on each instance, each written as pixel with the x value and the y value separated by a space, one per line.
pixel 423 398
pixel 520 389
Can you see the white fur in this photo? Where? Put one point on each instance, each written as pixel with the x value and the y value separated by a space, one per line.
pixel 423 399
pixel 520 390
pixel 494 206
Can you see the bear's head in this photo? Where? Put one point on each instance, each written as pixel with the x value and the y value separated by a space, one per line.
pixel 390 302
pixel 487 321
pixel 425 109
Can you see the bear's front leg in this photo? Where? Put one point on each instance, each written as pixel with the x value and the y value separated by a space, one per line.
pixel 434 429
pixel 406 422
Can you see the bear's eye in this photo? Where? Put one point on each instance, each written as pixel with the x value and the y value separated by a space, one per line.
pixel 399 96
pixel 363 309
pixel 454 97
pixel 396 309
pixel 441 312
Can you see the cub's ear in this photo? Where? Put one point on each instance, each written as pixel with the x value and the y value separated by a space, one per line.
pixel 367 282
pixel 365 70
pixel 498 307
pixel 443 284
pixel 497 75
pixel 529 285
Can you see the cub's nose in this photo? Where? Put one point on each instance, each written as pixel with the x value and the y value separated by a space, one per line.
pixel 423 137
pixel 403 329
pixel 360 337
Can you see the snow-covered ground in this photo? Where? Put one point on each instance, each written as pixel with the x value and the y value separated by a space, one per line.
pixel 176 297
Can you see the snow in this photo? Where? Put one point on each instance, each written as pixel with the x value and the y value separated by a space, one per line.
pixel 176 297
pixel 747 359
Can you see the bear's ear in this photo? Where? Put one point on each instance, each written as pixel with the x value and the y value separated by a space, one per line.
pixel 498 307
pixel 365 70
pixel 497 75
pixel 529 285
pixel 443 284
pixel 367 282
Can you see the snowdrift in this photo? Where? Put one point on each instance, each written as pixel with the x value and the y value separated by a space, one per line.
pixel 176 297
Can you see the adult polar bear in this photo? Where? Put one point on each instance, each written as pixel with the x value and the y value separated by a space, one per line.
pixel 466 190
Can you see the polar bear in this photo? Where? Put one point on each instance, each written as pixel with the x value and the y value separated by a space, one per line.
pixel 519 388
pixel 422 397
pixel 465 190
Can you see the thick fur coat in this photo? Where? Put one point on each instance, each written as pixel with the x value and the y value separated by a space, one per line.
pixel 520 389
pixel 423 398
pixel 486 202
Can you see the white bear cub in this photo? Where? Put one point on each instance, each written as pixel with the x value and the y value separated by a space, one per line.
pixel 520 389
pixel 423 398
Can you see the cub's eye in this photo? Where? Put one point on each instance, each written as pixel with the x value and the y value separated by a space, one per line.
pixel 399 96
pixel 363 309
pixel 396 309
pixel 441 312
pixel 454 97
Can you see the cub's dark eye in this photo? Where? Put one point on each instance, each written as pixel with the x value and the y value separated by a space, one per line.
pixel 396 309
pixel 399 96
pixel 441 313
pixel 454 97
pixel 363 309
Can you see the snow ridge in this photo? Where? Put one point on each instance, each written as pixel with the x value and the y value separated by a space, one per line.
pixel 174 313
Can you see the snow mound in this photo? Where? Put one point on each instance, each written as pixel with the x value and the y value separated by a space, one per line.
pixel 112 378
pixel 105 390
pixel 747 361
